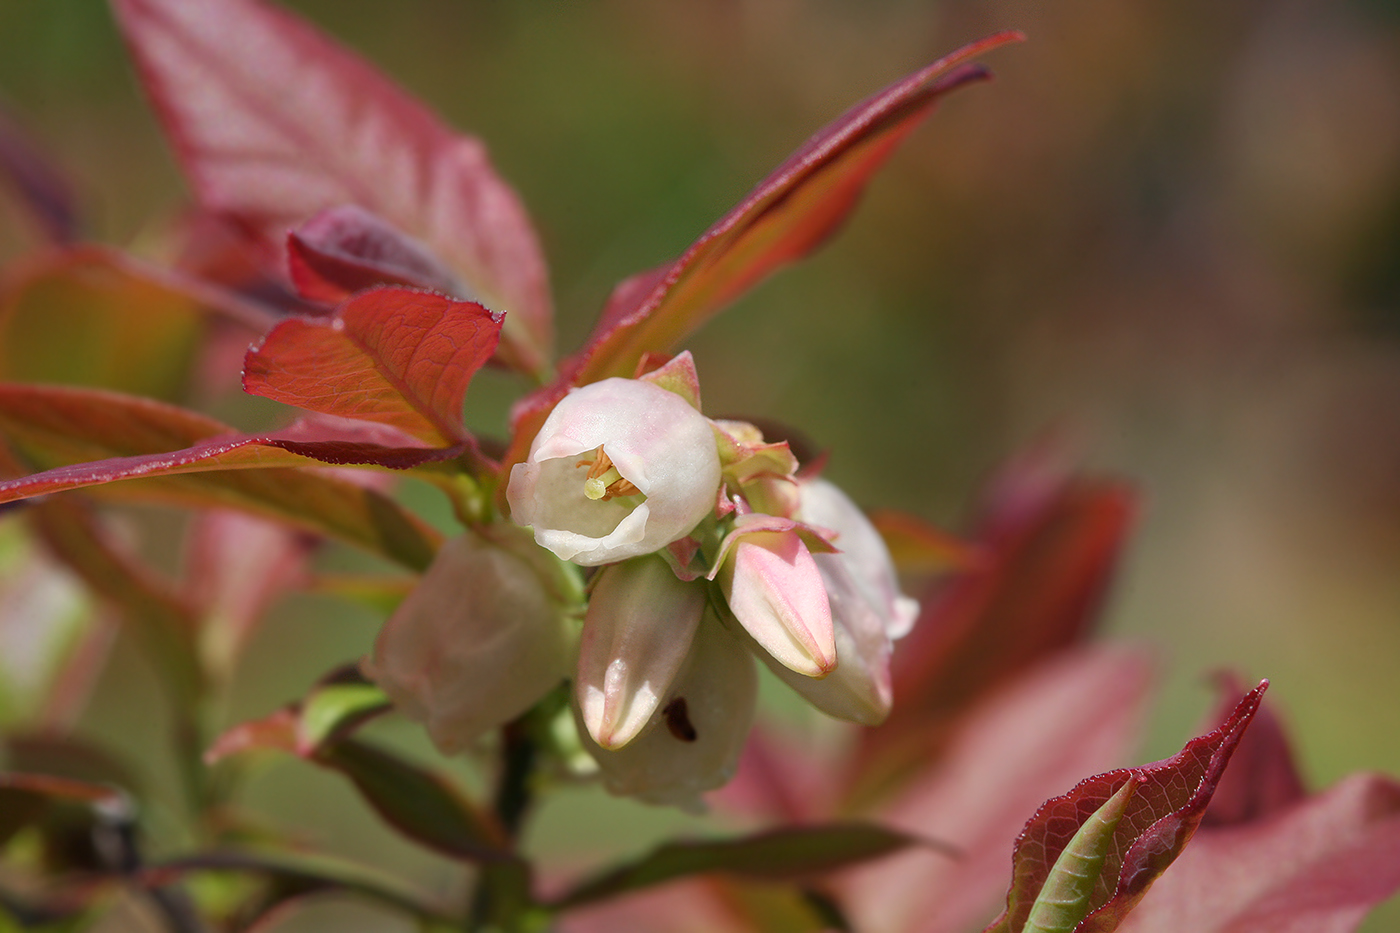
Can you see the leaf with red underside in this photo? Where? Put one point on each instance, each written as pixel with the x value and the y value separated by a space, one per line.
pixel 273 122
pixel 1045 551
pixel 788 215
pixel 92 438
pixel 395 356
pixel 1263 777
pixel 1158 823
pixel 348 249
pixel 1318 866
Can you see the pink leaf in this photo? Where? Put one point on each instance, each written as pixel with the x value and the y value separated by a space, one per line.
pixel 392 355
pixel 1316 867
pixel 1160 819
pixel 1071 715
pixel 273 122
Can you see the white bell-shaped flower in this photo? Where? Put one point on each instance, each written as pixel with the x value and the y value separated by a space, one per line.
pixel 619 469
pixel 477 642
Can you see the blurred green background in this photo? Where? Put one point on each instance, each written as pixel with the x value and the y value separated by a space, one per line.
pixel 1169 234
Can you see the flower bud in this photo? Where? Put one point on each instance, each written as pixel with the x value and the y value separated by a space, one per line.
pixel 476 643
pixel 867 611
pixel 774 589
pixel 619 469
pixel 693 742
pixel 640 623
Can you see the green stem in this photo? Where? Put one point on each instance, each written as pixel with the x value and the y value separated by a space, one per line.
pixel 501 898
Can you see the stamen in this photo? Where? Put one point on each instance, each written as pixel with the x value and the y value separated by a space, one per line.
pixel 604 481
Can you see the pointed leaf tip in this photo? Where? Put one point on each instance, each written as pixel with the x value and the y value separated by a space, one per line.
pixel 1157 823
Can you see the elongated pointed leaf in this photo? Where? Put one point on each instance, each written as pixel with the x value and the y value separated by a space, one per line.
pixel 793 852
pixel 1167 806
pixel 1318 866
pixel 178 456
pixel 392 355
pixel 422 805
pixel 295 874
pixel 789 214
pixel 273 122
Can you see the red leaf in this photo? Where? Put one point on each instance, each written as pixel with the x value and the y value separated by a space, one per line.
pixel 273 122
pixel 347 249
pixel 789 214
pixel 1046 550
pixel 1263 777
pixel 1069 716
pixel 392 355
pixel 1159 821
pixel 1316 867
pixel 178 456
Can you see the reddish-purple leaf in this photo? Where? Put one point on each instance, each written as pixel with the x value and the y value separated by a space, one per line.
pixel 1069 716
pixel 786 216
pixel 1159 821
pixel 274 122
pixel 790 213
pixel 1263 777
pixel 347 249
pixel 392 355
pixel 1318 866
pixel 179 456
pixel 42 186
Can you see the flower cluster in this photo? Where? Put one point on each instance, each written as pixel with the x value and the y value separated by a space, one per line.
pixel 711 547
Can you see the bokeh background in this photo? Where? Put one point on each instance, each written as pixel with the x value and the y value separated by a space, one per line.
pixel 1167 235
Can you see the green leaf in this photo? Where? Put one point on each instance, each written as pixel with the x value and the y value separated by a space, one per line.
pixel 780 854
pixel 332 710
pixel 87 317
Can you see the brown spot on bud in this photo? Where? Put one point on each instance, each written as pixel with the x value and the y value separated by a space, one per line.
pixel 678 720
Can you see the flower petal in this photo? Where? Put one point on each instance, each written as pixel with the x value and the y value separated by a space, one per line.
pixel 475 644
pixel 655 441
pixel 775 590
pixel 693 744
pixel 640 624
